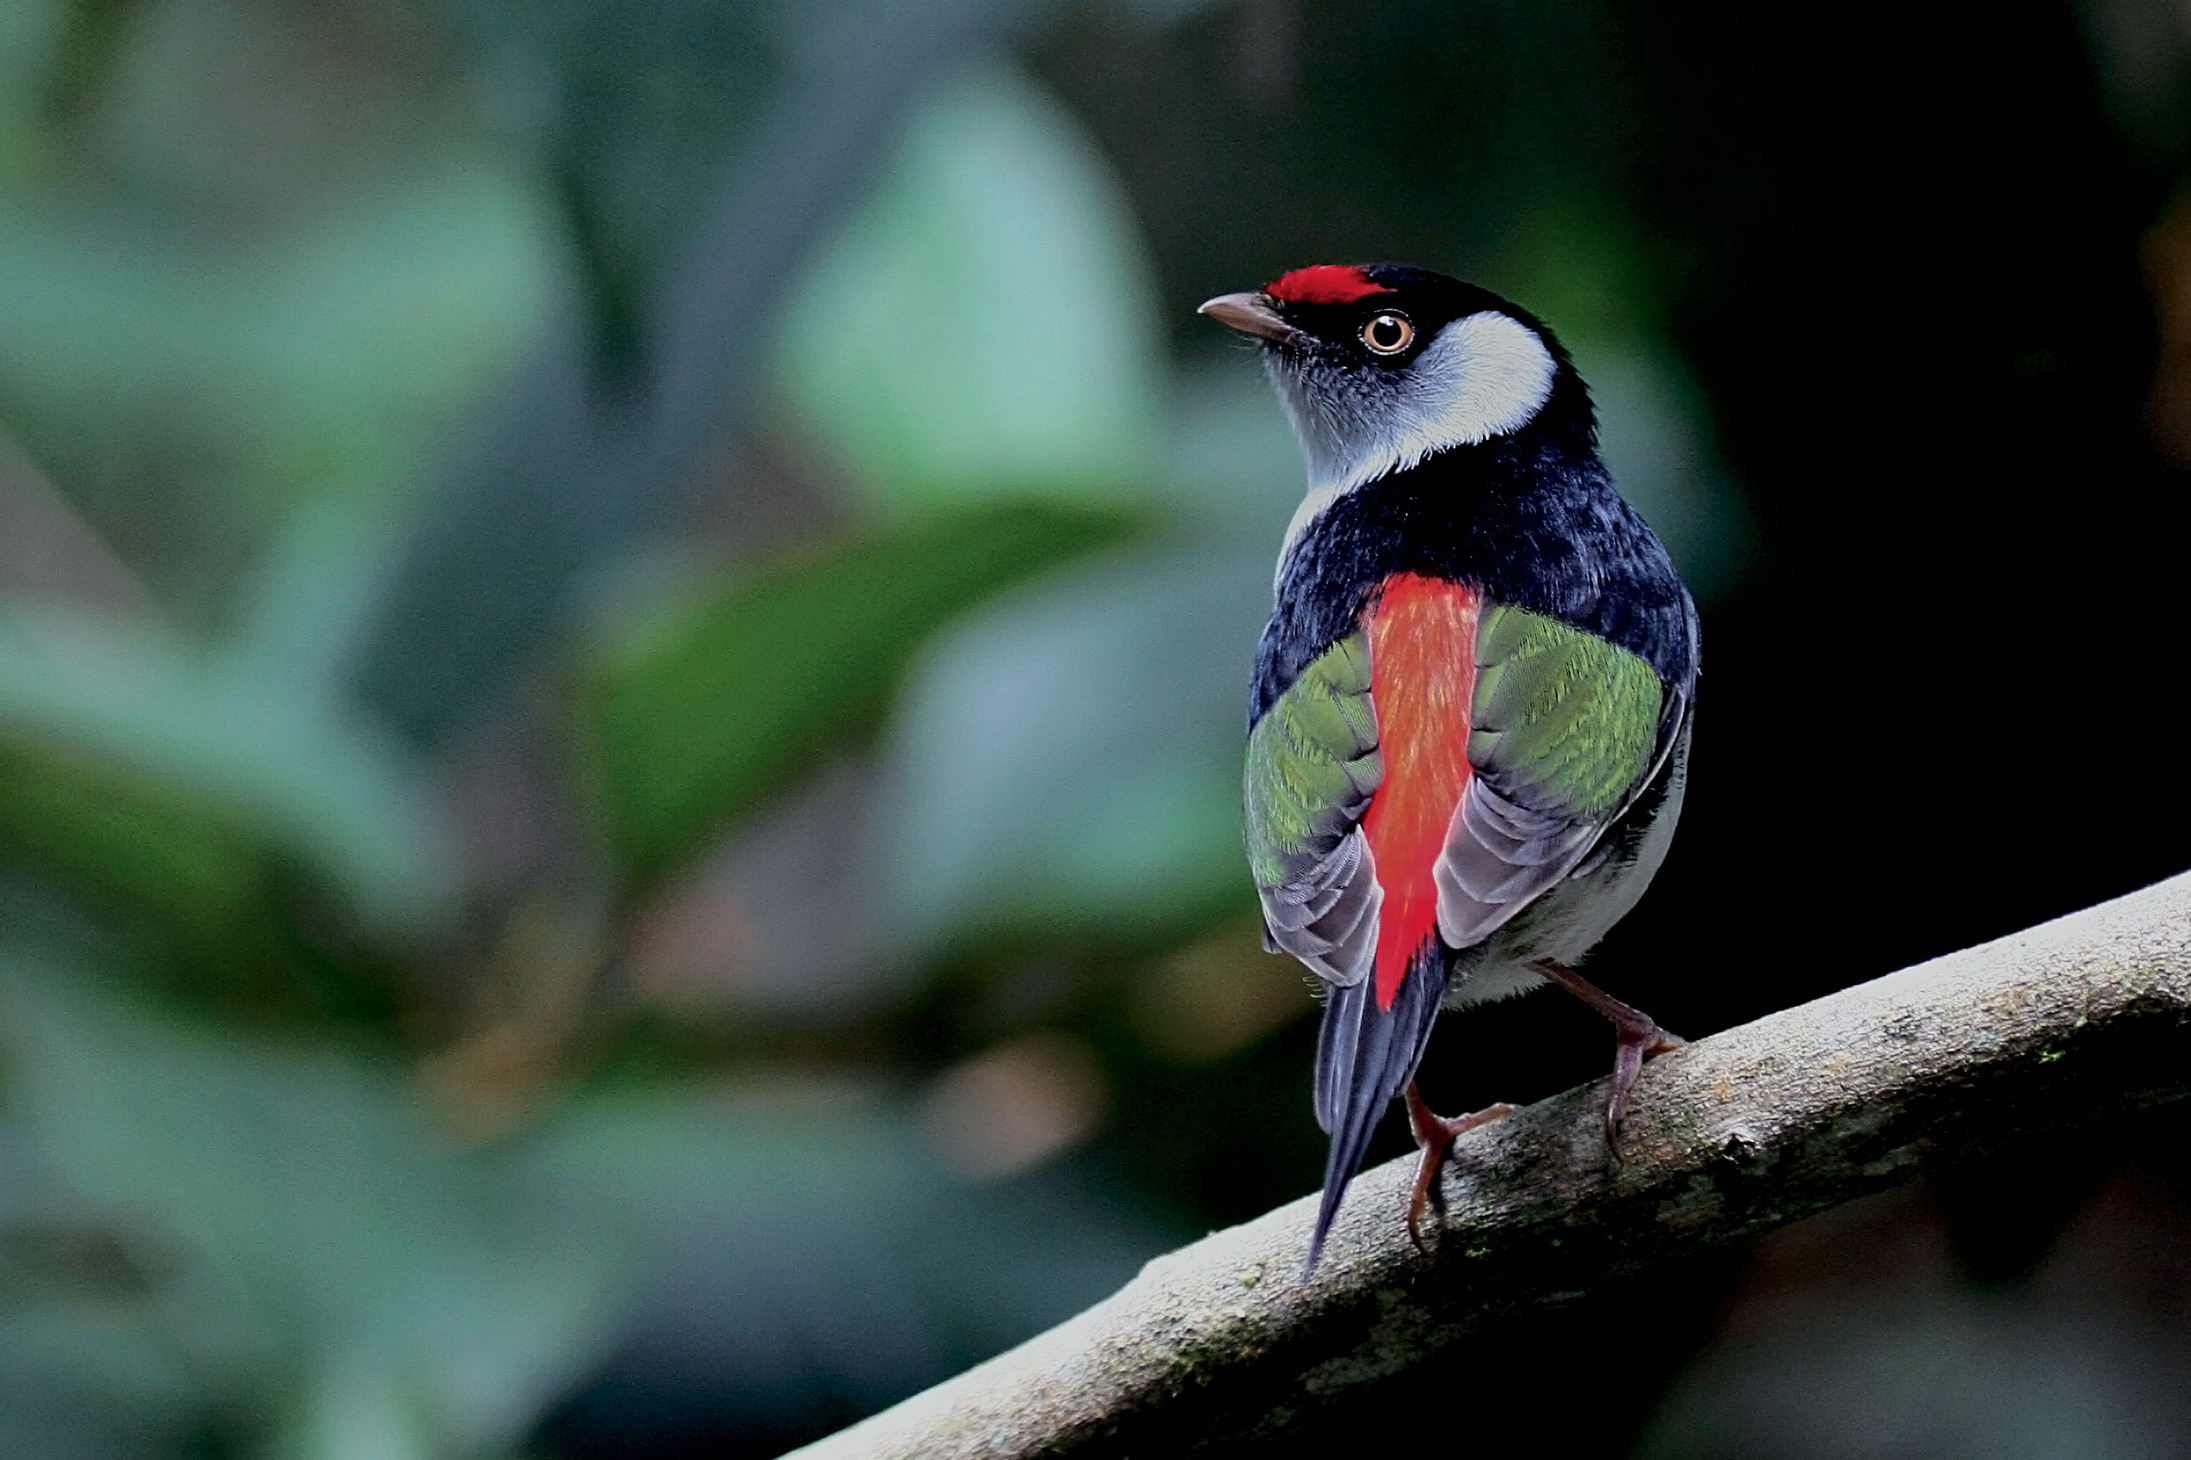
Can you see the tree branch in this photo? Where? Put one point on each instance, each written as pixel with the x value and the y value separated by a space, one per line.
pixel 1222 1342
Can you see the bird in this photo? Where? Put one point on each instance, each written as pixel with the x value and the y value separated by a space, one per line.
pixel 1470 710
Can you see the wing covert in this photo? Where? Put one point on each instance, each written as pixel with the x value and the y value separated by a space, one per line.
pixel 1566 730
pixel 1312 766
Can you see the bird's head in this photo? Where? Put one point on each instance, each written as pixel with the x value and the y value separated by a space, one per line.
pixel 1382 365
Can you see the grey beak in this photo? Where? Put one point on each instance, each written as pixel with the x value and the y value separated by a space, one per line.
pixel 1251 314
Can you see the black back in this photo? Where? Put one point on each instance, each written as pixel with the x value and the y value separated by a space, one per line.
pixel 1532 519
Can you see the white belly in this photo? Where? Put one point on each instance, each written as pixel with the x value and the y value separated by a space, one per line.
pixel 1568 921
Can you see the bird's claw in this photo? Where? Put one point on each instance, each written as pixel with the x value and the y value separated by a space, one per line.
pixel 1435 1134
pixel 1637 1037
pixel 1636 1041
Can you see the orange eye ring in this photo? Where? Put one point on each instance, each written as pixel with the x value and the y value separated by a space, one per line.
pixel 1388 333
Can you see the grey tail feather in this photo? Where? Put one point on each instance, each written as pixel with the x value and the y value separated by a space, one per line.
pixel 1363 1057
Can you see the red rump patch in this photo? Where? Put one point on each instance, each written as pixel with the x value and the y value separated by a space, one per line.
pixel 1324 284
pixel 1422 679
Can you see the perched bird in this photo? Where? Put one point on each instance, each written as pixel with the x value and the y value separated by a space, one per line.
pixel 1470 713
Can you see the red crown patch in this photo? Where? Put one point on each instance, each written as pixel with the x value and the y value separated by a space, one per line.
pixel 1324 284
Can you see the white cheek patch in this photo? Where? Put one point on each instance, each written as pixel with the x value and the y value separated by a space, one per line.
pixel 1481 377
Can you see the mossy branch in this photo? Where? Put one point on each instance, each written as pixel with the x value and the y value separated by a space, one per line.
pixel 1222 1343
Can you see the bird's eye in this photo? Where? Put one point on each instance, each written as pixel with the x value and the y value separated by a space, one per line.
pixel 1388 333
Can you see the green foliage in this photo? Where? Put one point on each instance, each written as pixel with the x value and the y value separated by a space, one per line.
pixel 647 98
pixel 1067 763
pixel 978 349
pixel 716 709
pixel 134 844
pixel 194 788
pixel 986 324
pixel 298 1235
pixel 285 1249
pixel 242 317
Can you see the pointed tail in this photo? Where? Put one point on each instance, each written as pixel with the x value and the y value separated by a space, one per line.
pixel 1364 1057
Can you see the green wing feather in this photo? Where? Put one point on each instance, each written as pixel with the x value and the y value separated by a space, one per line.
pixel 1312 766
pixel 1311 758
pixel 1561 712
pixel 1566 729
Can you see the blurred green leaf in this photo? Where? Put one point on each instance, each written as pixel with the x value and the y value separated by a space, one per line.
pixel 116 835
pixel 633 107
pixel 313 1245
pixel 89 50
pixel 1235 472
pixel 30 32
pixel 193 785
pixel 567 468
pixel 1069 761
pixel 720 705
pixel 185 390
pixel 987 322
pixel 280 1248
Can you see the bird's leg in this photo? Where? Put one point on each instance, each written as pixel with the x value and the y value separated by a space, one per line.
pixel 1637 1034
pixel 1435 1134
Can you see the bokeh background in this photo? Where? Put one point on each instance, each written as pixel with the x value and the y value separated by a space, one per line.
pixel 623 632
